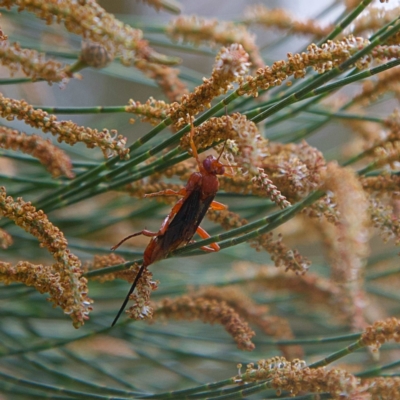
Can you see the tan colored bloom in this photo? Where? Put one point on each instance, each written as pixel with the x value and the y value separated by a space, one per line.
pixel 3 36
pixel 317 290
pixel 295 169
pixel 50 279
pixel 108 260
pixel 32 63
pixel 387 154
pixel 381 332
pixel 193 29
pixel 53 158
pixel 381 183
pixel 296 377
pixel 263 182
pixel 142 309
pixel 230 65
pixel 153 111
pixel 282 19
pixel 208 311
pixel 383 388
pixel 372 89
pixel 82 18
pixel 347 242
pixel 281 255
pixel 67 269
pixel 384 218
pixel 372 19
pixel 236 298
pixel 5 239
pixel 66 131
pixel 330 55
pixel 241 137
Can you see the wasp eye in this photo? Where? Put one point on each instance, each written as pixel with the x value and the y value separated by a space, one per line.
pixel 208 163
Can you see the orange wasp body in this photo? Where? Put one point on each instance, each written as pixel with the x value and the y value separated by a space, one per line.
pixel 184 220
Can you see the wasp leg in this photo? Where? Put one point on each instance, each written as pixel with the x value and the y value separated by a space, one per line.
pixel 167 192
pixel 204 235
pixel 193 147
pixel 216 205
pixel 144 232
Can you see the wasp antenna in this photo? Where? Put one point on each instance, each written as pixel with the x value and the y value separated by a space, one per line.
pixel 223 148
pixel 128 295
pixel 125 239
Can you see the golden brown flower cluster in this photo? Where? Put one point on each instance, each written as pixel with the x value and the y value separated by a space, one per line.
pixel 373 19
pixel 387 154
pixel 281 255
pixel 193 29
pixel 66 272
pixel 330 55
pixel 295 377
pixel 153 111
pixel 282 19
pixel 82 17
pixel 3 36
pixel 66 131
pixel 32 63
pixel 100 262
pixel 208 311
pixel 318 290
pixel 53 158
pixel 348 240
pixel 142 309
pixel 236 298
pixel 381 332
pixel 230 65
pixel 5 239
pixel 242 138
pixel 296 169
pixel 262 182
pixel 50 279
pixel 385 220
pixel 383 388
pixel 381 184
pixel 209 132
pixel 387 81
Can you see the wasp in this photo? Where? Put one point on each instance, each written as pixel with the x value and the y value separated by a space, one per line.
pixel 184 219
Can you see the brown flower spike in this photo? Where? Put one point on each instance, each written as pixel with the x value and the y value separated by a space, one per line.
pixel 65 274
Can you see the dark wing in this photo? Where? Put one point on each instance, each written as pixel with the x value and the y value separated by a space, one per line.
pixel 183 226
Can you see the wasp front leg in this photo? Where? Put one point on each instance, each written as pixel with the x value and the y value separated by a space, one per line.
pixel 217 206
pixel 167 192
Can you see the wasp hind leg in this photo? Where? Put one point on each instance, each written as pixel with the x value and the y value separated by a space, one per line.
pixel 213 247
